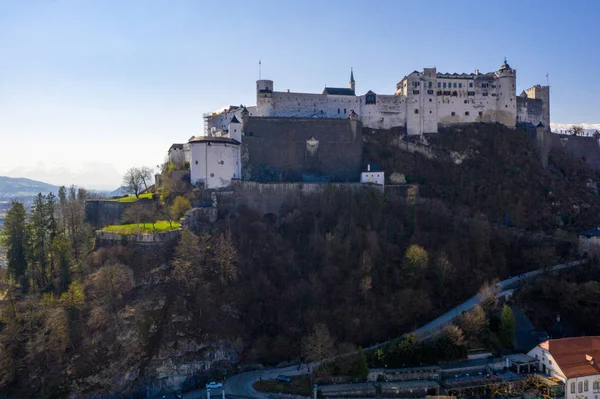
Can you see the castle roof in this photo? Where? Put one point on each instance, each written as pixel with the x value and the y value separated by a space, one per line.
pixel 176 146
pixel 504 65
pixel 234 120
pixel 369 92
pixel 523 94
pixel 338 91
pixel 211 139
pixel 540 125
pixel 351 75
pixel 373 166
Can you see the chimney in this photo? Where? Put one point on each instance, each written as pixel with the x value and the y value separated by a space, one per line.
pixel 368 167
pixel 589 359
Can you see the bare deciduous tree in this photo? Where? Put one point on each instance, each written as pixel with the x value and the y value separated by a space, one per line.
pixel 136 180
pixel 576 130
pixel 319 345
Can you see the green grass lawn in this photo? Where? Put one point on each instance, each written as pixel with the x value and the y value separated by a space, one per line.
pixel 132 198
pixel 300 385
pixel 143 228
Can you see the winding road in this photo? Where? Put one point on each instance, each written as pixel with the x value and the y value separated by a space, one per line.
pixel 240 385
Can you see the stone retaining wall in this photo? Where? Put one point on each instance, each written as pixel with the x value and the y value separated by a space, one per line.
pixel 163 238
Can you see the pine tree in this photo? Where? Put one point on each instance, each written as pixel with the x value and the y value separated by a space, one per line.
pixel 507 327
pixel 15 240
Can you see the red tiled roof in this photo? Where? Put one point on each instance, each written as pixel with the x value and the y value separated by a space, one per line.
pixel 570 355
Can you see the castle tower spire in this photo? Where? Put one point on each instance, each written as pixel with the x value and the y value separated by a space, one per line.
pixel 352 83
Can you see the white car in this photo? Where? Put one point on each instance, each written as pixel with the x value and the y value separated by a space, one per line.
pixel 214 385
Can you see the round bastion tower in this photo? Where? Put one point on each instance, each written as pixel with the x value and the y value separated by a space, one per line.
pixel 506 99
pixel 264 97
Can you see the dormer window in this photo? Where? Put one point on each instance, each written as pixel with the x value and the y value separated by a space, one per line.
pixel 371 99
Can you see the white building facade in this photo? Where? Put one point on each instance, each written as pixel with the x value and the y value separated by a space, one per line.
pixel 422 102
pixel 215 161
pixel 574 362
pixel 372 174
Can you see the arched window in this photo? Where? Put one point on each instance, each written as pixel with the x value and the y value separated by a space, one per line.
pixel 572 387
pixel 416 111
pixel 580 387
pixel 586 386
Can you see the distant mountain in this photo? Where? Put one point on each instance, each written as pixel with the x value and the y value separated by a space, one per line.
pixel 588 128
pixel 22 188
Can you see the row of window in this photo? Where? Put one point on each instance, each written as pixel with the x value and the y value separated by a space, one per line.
pixel 453 113
pixel 583 386
pixel 452 93
pixel 339 111
pixel 443 85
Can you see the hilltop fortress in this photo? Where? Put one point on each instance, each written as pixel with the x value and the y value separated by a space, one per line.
pixel 314 137
pixel 422 102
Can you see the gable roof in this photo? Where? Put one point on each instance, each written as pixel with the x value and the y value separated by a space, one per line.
pixel 570 355
pixel 338 91
pixel 234 120
pixel 593 232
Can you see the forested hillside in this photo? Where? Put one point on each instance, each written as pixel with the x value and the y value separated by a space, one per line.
pixel 252 288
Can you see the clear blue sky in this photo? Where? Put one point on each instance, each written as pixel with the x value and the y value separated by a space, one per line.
pixel 94 87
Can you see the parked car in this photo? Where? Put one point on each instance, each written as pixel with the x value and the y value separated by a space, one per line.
pixel 284 378
pixel 214 385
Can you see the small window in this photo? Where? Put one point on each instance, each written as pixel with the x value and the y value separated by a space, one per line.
pixel 444 85
pixel 454 85
pixel 430 83
pixel 580 387
pixel 439 92
pixel 480 113
pixel 429 111
pixel 338 110
pixel 415 91
pixel 572 387
pixel 467 113
pixel 430 92
pixel 344 111
pixel 439 85
pixel 430 100
pixel 470 84
pixel 416 111
pixel 212 175
pixel 484 94
pixel 586 386
pixel 470 93
pixel 460 85
pixel 466 101
pixel 454 94
pixel 196 162
pixel 453 113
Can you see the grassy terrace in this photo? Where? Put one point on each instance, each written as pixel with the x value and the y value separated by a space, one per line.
pixel 132 198
pixel 142 228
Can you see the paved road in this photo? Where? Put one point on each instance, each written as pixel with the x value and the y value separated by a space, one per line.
pixel 240 385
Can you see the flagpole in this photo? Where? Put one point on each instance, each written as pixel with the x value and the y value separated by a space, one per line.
pixel 259 69
pixel 547 80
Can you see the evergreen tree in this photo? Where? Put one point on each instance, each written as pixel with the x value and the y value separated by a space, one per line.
pixel 15 240
pixel 507 327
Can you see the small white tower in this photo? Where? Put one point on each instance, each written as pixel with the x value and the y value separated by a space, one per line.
pixel 235 129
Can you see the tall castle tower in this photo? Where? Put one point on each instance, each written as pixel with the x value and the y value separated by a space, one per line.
pixel 352 83
pixel 542 93
pixel 264 97
pixel 506 99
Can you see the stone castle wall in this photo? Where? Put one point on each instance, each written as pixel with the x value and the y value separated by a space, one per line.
pixel 585 148
pixel 268 198
pixel 280 149
pixel 100 213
